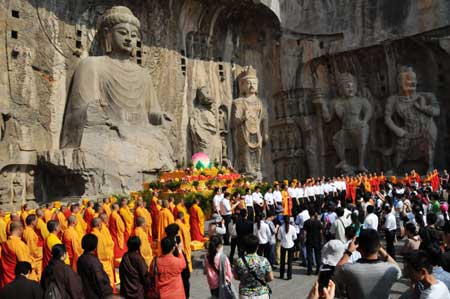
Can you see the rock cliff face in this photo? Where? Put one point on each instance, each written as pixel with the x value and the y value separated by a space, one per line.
pixel 298 48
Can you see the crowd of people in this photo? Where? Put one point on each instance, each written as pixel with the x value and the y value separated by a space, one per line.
pixel 340 227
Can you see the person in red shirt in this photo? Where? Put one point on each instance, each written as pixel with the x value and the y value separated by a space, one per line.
pixel 169 282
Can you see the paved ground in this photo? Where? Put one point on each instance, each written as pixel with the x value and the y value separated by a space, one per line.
pixel 298 287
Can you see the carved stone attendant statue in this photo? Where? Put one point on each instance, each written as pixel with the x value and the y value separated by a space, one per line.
pixel 203 125
pixel 249 125
pixel 354 113
pixel 416 110
pixel 112 115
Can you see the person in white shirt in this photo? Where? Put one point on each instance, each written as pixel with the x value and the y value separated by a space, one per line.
pixel 269 200
pixel 390 229
pixel 258 201
pixel 249 205
pixel 309 192
pixel 226 211
pixel 278 199
pixel 293 194
pixel 217 199
pixel 338 227
pixel 299 190
pixel 299 221
pixel 419 268
pixel 287 234
pixel 262 231
pixel 371 220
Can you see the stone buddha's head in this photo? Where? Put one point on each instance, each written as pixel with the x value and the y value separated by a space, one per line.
pixel 248 82
pixel 120 31
pixel 347 85
pixel 203 97
pixel 407 80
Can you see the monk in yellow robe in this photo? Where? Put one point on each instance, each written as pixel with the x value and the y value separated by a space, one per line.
pixel 172 204
pixel 197 220
pixel 25 213
pixel 107 206
pixel 118 231
pixel 127 216
pixel 41 226
pixel 48 212
pixel 154 209
pixel 285 201
pixel 2 226
pixel 89 213
pixel 81 224
pixel 181 207
pixel 105 249
pixel 185 236
pixel 141 211
pixel 72 241
pixel 141 232
pixel 165 218
pixel 14 250
pixel 51 240
pixel 32 240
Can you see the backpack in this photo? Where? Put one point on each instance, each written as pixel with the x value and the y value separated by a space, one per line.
pixel 52 292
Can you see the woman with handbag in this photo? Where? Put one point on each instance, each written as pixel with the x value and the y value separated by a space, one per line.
pixel 217 269
pixel 253 271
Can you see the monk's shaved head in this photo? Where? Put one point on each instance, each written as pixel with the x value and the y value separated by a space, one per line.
pixel 39 212
pixel 72 220
pixel 96 222
pixel 140 221
pixel 115 207
pixel 15 227
pixel 165 204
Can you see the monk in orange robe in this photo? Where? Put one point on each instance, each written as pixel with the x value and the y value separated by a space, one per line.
pixel 51 240
pixel 61 218
pixel 118 232
pixel 89 215
pixel 197 220
pixel 141 232
pixel 3 236
pixel 48 212
pixel 25 213
pixel 68 210
pixel 41 226
pixel 14 250
pixel 185 236
pixel 154 211
pixel 141 211
pixel 32 240
pixel 105 249
pixel 107 206
pixel 165 218
pixel 127 217
pixel 72 241
pixel 286 201
pixel 172 204
pixel 181 207
pixel 382 179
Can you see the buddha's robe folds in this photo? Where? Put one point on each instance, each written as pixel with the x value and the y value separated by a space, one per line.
pixel 14 250
pixel 197 223
pixel 113 115
pixel 185 236
pixel 32 240
pixel 105 252
pixel 72 241
pixel 165 218
pixel 117 230
pixel 146 248
pixel 143 212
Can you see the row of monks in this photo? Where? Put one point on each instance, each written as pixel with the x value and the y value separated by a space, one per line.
pixel 30 235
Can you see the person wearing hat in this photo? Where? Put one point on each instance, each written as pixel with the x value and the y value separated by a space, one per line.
pixel 217 226
pixel 332 253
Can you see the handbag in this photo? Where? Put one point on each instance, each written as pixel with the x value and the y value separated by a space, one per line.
pixel 226 290
pixel 153 292
pixel 252 273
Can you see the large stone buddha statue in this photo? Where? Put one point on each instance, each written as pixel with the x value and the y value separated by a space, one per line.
pixel 112 115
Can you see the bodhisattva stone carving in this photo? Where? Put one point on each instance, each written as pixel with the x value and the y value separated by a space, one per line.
pixel 416 110
pixel 204 126
pixel 354 113
pixel 113 118
pixel 249 125
pixel 223 130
